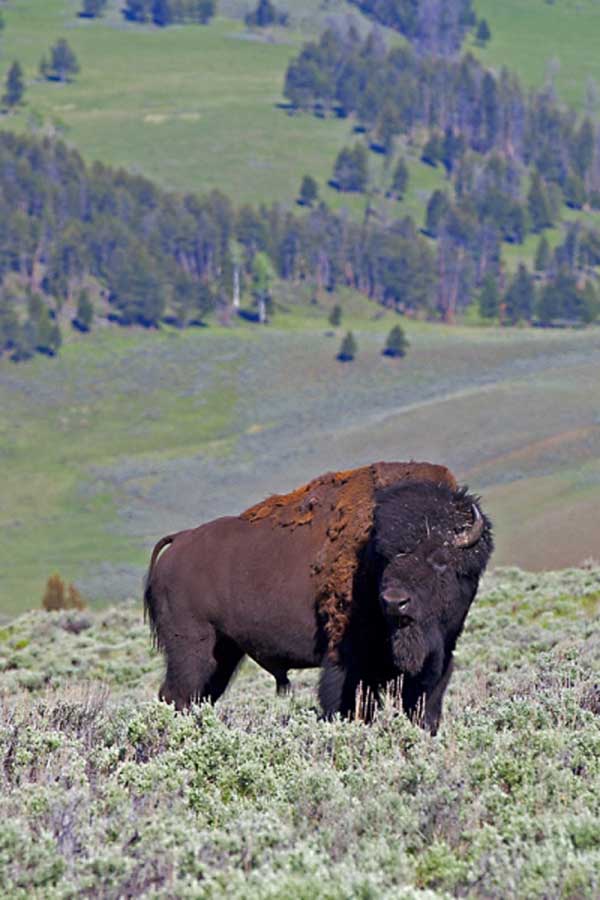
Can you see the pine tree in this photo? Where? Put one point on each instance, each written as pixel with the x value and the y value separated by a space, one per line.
pixel 437 208
pixel 582 148
pixel 205 10
pixel 15 86
pixel 161 13
pixel 489 298
pixel 400 179
pixel 491 109
pixel 542 255
pixel 396 344
pixel 309 191
pixel 483 33
pixel 63 63
pixel 348 348
pixel 137 10
pixel 85 312
pixel 433 150
pixel 574 191
pixel 351 169
pixel 91 9
pixel 538 202
pixel 519 301
pixel 335 316
pixel 264 15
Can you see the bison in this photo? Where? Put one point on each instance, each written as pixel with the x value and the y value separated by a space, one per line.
pixel 368 574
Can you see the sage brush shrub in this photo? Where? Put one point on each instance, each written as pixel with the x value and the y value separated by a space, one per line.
pixel 105 792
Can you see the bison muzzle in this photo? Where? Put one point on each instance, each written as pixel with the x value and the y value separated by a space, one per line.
pixel 368 574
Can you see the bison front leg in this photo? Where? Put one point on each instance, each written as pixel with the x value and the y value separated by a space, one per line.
pixel 341 690
pixel 422 697
pixel 434 700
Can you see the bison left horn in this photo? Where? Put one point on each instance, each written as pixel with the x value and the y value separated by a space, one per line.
pixel 472 535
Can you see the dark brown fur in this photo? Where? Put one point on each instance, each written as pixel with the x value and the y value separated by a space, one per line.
pixel 295 582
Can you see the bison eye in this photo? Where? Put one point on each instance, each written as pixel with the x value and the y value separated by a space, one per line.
pixel 439 560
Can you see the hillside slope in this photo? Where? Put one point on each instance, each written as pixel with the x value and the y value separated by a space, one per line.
pixel 129 436
pixel 105 792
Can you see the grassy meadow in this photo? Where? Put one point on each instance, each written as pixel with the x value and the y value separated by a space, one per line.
pixel 106 793
pixel 198 107
pixel 537 37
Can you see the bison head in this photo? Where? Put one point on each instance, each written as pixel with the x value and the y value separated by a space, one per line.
pixel 432 545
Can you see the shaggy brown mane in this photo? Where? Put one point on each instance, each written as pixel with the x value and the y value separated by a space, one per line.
pixel 339 507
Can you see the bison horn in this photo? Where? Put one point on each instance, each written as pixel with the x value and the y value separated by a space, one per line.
pixel 472 535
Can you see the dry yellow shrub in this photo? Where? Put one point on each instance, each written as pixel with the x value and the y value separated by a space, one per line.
pixel 55 596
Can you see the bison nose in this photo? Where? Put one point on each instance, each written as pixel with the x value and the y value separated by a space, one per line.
pixel 396 601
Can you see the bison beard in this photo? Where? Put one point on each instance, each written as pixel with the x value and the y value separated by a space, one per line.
pixel 368 573
pixel 409 649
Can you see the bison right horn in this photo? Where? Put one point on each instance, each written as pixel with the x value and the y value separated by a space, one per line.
pixel 472 535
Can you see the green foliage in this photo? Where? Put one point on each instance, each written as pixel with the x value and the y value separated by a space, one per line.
pixel 351 170
pixel 157 254
pixel 439 28
pixel 42 331
pixel 335 316
pixel 396 343
pixel 432 151
pixel 348 348
pixel 85 311
pixel 265 14
pixel 540 208
pixel 483 33
pixel 400 179
pixel 92 9
pixel 437 208
pixel 574 191
pixel 102 788
pixel 169 12
pixel 519 300
pixel 489 298
pixel 63 64
pixel 263 275
pixel 309 191
pixel 542 255
pixel 561 300
pixel 15 86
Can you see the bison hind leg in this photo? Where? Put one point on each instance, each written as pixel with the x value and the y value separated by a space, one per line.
pixel 190 665
pixel 227 657
pixel 200 665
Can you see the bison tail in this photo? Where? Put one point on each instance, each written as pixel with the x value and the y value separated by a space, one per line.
pixel 150 611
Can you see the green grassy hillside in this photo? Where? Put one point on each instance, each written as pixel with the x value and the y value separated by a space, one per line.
pixel 192 107
pixel 198 107
pixel 532 36
pixel 129 435
pixel 105 792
